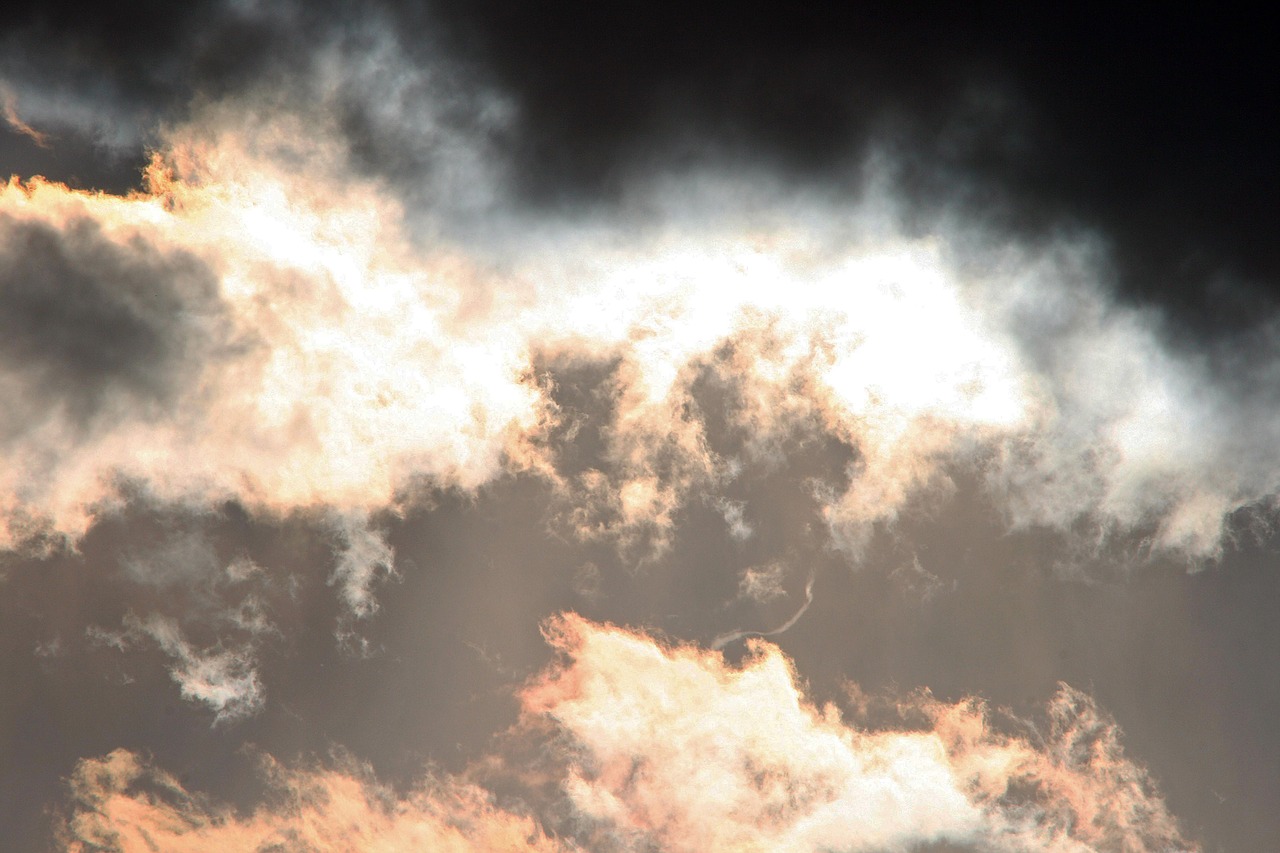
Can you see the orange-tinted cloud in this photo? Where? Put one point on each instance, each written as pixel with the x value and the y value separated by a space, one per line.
pixel 9 109
pixel 674 749
pixel 122 803
pixel 266 323
pixel 648 746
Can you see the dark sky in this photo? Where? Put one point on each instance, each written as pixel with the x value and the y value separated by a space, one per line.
pixel 1154 128
pixel 936 349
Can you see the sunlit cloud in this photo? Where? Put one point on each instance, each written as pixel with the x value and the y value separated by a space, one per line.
pixel 122 802
pixel 683 752
pixel 423 322
pixel 268 322
pixel 293 343
pixel 297 338
pixel 653 746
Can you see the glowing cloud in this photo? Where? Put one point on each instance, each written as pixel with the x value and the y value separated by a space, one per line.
pixel 122 803
pixel 305 351
pixel 670 748
pixel 680 751
pixel 336 296
pixel 267 324
pixel 284 331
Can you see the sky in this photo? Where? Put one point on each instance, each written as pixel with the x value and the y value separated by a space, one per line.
pixel 477 426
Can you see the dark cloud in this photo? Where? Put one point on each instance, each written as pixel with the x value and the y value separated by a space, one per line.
pixel 1156 129
pixel 146 59
pixel 101 83
pixel 88 673
pixel 96 326
pixel 73 158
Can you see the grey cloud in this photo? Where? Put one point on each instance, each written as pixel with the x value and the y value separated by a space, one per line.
pixel 1001 119
pixel 363 559
pixel 183 557
pixel 92 327
pixel 149 650
pixel 225 678
pixel 762 583
pixel 113 74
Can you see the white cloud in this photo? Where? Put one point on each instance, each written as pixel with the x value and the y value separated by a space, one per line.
pixel 674 749
pixel 647 746
pixel 224 678
pixel 350 351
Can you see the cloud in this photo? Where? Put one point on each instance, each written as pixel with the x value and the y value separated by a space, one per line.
pixel 214 615
pixel 90 321
pixel 110 78
pixel 763 583
pixel 673 748
pixel 308 367
pixel 184 557
pixel 121 802
pixel 762 593
pixel 372 260
pixel 265 323
pixel 642 745
pixel 280 323
pixel 223 678
pixel 363 557
pixel 273 322
pixel 9 108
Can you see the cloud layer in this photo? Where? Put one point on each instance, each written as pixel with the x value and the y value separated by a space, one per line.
pixel 670 748
pixel 260 324
pixel 124 804
pixel 657 362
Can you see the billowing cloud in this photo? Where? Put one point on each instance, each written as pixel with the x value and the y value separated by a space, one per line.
pixel 266 325
pixel 683 752
pixel 373 288
pixel 263 323
pixel 671 748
